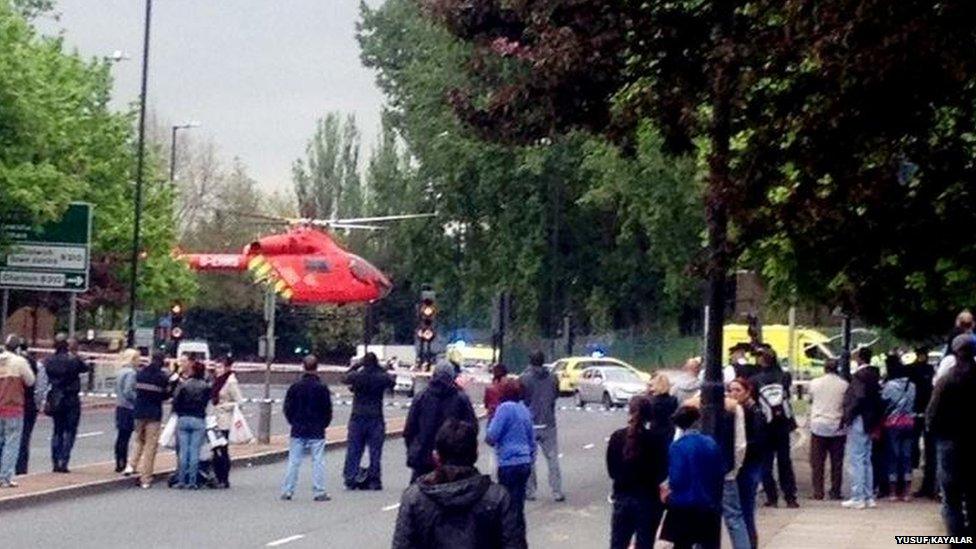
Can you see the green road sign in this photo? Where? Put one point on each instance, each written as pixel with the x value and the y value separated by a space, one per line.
pixel 53 257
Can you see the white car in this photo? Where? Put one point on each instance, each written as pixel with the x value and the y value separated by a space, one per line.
pixel 609 385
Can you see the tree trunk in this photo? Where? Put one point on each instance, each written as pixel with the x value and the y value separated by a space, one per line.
pixel 717 220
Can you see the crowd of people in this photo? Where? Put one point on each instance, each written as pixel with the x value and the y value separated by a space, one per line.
pixel 669 479
pixel 204 404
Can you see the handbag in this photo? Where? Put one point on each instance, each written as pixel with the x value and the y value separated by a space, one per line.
pixel 167 438
pixel 901 420
pixel 240 431
pixel 53 402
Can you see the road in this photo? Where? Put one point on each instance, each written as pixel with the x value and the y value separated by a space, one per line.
pixel 250 514
pixel 96 431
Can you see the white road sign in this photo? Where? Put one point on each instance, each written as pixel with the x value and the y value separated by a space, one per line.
pixel 32 279
pixel 48 257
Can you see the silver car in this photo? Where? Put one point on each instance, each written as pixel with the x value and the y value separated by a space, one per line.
pixel 610 385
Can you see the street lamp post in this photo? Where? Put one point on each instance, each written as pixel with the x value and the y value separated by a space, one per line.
pixel 140 159
pixel 172 148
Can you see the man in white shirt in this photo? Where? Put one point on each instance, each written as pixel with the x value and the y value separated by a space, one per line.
pixel 827 434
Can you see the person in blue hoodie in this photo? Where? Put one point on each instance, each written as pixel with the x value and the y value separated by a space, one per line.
pixel 693 492
pixel 510 432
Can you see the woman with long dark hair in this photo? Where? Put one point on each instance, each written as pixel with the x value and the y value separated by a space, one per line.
pixel 750 472
pixel 225 396
pixel 637 461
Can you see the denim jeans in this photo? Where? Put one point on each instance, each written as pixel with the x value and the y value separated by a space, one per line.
pixel 364 432
pixel 899 454
pixel 30 418
pixel 859 442
pixel 10 430
pixel 514 478
pixel 748 482
pixel 190 432
pixel 958 488
pixel 547 438
pixel 63 440
pixel 635 515
pixel 732 514
pixel 125 424
pixel 297 448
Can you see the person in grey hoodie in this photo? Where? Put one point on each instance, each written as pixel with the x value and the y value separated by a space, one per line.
pixel 541 389
pixel 124 406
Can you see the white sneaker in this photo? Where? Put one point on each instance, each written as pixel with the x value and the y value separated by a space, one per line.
pixel 853 504
pixel 872 503
pixel 128 470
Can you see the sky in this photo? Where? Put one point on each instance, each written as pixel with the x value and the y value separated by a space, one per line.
pixel 256 74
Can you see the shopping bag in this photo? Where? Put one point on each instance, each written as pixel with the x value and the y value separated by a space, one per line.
pixel 167 438
pixel 240 431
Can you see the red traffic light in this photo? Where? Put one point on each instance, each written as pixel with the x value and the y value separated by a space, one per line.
pixel 427 310
pixel 176 333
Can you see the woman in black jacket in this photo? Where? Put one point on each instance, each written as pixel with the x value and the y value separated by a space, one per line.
pixel 190 405
pixel 750 472
pixel 637 461
pixel 663 405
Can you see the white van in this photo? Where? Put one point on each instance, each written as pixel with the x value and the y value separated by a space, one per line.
pixel 198 347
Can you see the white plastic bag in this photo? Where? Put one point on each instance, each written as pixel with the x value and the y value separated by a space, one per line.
pixel 240 431
pixel 167 438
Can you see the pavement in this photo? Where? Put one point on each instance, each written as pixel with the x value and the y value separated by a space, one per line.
pixel 96 431
pixel 250 515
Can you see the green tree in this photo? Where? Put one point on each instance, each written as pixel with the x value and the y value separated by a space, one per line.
pixel 60 142
pixel 327 182
pixel 541 219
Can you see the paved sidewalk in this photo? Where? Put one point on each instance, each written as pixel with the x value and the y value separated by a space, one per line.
pixel 101 477
pixel 826 524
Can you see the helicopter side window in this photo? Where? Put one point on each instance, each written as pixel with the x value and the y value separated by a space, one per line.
pixel 317 265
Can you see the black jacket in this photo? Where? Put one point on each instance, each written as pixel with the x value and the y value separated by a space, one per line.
pixel 308 407
pixel 63 375
pixel 950 412
pixel 756 446
pixel 368 386
pixel 662 409
pixel 191 398
pixel 469 513
pixel 863 398
pixel 30 407
pixel 642 474
pixel 152 384
pixel 922 375
pixel 774 375
pixel 440 401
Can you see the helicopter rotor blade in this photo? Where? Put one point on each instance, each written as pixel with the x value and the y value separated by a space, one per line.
pixel 379 218
pixel 356 226
pixel 264 217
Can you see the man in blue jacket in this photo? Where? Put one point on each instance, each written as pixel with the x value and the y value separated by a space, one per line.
pixel 693 492
pixel 308 409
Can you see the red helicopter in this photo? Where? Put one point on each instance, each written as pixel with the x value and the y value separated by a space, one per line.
pixel 304 265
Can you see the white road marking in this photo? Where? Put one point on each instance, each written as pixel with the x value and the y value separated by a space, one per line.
pixel 283 541
pixel 91 434
pixel 392 507
pixel 588 446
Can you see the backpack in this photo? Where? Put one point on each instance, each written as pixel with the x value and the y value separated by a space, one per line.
pixel 775 403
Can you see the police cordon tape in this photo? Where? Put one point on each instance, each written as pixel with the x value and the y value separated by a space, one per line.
pixel 403 405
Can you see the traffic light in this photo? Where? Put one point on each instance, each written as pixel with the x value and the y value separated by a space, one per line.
pixel 426 332
pixel 176 320
pixel 427 311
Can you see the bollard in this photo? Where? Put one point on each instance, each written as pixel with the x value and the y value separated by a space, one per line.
pixel 264 421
